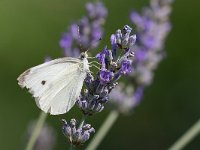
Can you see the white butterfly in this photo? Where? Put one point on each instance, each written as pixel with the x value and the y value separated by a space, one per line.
pixel 56 84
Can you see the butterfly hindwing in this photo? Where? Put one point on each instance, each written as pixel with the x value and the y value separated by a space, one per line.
pixel 62 96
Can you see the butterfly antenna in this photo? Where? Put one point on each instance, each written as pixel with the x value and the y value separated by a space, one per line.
pixel 79 40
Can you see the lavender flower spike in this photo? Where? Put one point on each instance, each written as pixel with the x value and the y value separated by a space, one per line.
pixel 77 136
pixel 98 88
pixel 152 30
pixel 152 27
pixel 95 93
pixel 86 33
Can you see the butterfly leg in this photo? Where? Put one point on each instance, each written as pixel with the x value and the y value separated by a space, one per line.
pixel 94 62
pixel 92 65
pixel 91 57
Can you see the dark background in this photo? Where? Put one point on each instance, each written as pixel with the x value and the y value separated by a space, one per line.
pixel 30 30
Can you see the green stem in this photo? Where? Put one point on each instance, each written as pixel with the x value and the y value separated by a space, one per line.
pixel 82 121
pixel 187 137
pixel 72 147
pixel 99 136
pixel 36 131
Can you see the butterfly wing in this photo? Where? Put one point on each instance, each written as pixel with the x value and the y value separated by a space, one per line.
pixel 63 94
pixel 55 85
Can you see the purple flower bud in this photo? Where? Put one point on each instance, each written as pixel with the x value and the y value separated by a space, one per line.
pixel 105 76
pixel 102 55
pixel 105 99
pixel 96 31
pixel 80 135
pixel 136 19
pixel 92 105
pixel 126 30
pixel 96 97
pixel 85 137
pixel 126 67
pixel 125 40
pixel 85 33
pixel 76 136
pixel 89 79
pixel 105 57
pixel 84 104
pixel 74 31
pixel 96 10
pixel 114 45
pixel 118 36
pixel 66 41
pixel 86 127
pixel 98 107
pixel 73 122
pixel 66 128
pixel 138 94
pixel 79 103
pixel 140 55
pixel 91 130
pixel 131 40
pixel 148 41
pixel 90 9
pixel 113 39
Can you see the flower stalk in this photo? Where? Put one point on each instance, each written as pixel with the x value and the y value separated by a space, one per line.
pixel 187 137
pixel 103 131
pixel 72 147
pixel 36 131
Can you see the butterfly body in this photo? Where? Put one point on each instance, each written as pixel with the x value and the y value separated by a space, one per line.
pixel 56 84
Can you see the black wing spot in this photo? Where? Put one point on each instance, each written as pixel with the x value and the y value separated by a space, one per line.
pixel 43 82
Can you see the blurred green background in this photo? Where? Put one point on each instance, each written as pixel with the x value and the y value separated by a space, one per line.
pixel 30 30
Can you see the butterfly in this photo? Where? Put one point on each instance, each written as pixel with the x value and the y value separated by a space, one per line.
pixel 56 84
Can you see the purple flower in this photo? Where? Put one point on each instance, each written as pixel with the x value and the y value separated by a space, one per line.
pixel 85 34
pixel 136 19
pixel 113 41
pixel 105 76
pixel 148 41
pixel 131 40
pixel 138 94
pixel 66 41
pixel 76 135
pixel 96 11
pixel 102 56
pixel 91 107
pixel 152 28
pixel 122 98
pixel 126 67
pixel 140 55
pixel 96 32
pixel 126 30
pixel 74 30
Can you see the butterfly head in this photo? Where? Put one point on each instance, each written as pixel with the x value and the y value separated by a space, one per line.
pixel 83 55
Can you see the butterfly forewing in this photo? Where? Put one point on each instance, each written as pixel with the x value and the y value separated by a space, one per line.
pixel 67 95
